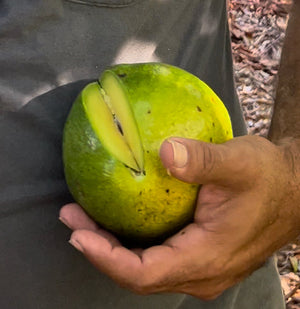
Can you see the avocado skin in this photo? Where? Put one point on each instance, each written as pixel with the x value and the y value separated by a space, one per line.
pixel 166 101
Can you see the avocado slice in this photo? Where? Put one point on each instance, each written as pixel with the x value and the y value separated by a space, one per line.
pixel 112 120
pixel 120 106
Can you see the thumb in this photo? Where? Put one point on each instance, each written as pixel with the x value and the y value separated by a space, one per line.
pixel 198 162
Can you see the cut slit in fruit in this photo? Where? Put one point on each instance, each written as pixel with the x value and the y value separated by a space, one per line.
pixel 118 102
pixel 107 101
pixel 105 121
pixel 118 124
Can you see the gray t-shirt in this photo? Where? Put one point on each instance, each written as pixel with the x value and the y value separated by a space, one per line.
pixel 48 51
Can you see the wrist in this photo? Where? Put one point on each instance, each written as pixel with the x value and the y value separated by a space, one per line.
pixel 290 148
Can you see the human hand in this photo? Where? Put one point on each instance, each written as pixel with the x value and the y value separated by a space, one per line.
pixel 246 210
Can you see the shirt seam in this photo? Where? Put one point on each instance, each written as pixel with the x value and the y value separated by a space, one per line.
pixel 102 3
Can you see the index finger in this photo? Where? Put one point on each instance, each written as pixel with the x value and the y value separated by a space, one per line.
pixel 142 272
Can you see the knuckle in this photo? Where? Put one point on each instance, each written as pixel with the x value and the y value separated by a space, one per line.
pixel 141 290
pixel 205 156
pixel 210 296
pixel 215 290
pixel 212 293
pixel 142 286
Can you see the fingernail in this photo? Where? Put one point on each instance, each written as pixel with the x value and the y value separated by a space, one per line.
pixel 179 153
pixel 76 244
pixel 64 221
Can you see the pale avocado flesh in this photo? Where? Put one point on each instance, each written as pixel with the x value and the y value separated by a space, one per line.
pixel 116 94
pixel 165 101
pixel 111 117
pixel 102 121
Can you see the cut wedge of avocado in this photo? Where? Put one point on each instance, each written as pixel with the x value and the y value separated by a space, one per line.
pixel 112 85
pixel 113 122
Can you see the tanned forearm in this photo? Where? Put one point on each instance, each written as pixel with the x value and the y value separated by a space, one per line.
pixel 285 128
pixel 286 118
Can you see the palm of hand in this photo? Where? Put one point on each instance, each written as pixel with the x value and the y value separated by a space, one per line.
pixel 236 223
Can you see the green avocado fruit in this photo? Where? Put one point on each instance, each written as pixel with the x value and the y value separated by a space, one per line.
pixel 111 144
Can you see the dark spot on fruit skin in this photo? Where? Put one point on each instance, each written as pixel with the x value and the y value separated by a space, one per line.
pixel 227 132
pixel 149 112
pixel 147 151
pixel 211 139
pixel 213 124
pixel 122 74
pixel 199 109
pixel 167 190
pixel 140 193
pixel 182 233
